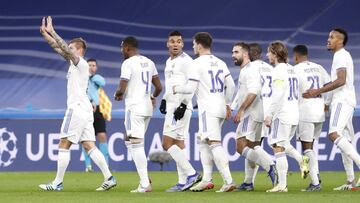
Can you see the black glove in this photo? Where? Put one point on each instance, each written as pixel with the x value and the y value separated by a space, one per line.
pixel 162 107
pixel 180 111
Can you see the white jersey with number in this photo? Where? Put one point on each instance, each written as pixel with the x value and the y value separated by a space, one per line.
pixel 138 71
pixel 345 93
pixel 288 112
pixel 265 71
pixel 210 72
pixel 311 75
pixel 249 83
pixel 177 73
pixel 78 79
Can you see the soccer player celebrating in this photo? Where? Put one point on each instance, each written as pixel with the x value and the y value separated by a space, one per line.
pixel 343 100
pixel 77 126
pixel 178 110
pixel 311 111
pixel 137 74
pixel 283 113
pixel 249 116
pixel 214 87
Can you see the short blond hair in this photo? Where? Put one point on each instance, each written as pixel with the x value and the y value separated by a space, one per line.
pixel 79 43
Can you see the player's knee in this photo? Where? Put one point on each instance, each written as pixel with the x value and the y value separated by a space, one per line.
pixel 88 145
pixel 333 136
pixel 102 137
pixel 64 143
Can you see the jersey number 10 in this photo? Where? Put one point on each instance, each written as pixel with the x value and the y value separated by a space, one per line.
pixel 294 89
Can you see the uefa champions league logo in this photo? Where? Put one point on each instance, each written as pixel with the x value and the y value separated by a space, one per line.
pixel 8 148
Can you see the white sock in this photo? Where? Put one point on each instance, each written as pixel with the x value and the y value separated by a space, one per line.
pixel 346 147
pixel 221 162
pixel 265 159
pixel 254 174
pixel 100 161
pixel 313 165
pixel 180 158
pixel 181 175
pixel 206 158
pixel 349 167
pixel 139 157
pixel 292 152
pixel 62 164
pixel 128 146
pixel 249 171
pixel 282 168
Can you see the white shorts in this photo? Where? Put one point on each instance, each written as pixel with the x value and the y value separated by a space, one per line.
pixel 308 131
pixel 210 127
pixel 341 118
pixel 178 130
pixel 136 125
pixel 249 128
pixel 77 125
pixel 281 133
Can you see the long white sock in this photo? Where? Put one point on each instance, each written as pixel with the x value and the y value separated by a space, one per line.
pixel 62 164
pixel 181 160
pixel 313 165
pixel 139 157
pixel 349 167
pixel 128 146
pixel 255 172
pixel 346 147
pixel 181 175
pixel 293 153
pixel 265 159
pixel 249 171
pixel 282 168
pixel 207 163
pixel 100 161
pixel 221 162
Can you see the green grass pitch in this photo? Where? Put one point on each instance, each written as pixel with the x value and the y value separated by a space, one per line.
pixel 80 186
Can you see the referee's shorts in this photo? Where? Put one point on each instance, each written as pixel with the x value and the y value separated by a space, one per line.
pixel 99 121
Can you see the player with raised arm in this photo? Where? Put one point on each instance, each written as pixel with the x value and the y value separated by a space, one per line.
pixel 137 74
pixel 343 100
pixel 283 112
pixel 211 80
pixel 77 126
pixel 178 110
pixel 311 111
pixel 249 115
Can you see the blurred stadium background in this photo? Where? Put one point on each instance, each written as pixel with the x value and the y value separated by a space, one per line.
pixel 32 76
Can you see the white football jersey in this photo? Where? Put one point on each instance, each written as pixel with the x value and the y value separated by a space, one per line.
pixel 265 71
pixel 177 73
pixel 311 75
pixel 78 79
pixel 346 93
pixel 139 71
pixel 210 72
pixel 249 82
pixel 288 112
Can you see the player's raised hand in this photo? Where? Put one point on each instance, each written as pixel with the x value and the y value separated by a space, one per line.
pixel 310 93
pixel 42 27
pixel 49 25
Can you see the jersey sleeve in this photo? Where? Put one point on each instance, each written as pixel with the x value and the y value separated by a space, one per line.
pixel 82 65
pixel 155 72
pixel 125 71
pixel 253 81
pixel 340 60
pixel 194 72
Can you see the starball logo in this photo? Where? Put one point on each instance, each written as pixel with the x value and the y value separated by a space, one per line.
pixel 8 150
